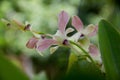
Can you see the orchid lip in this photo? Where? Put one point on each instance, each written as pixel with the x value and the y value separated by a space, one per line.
pixel 82 36
pixel 65 42
pixel 43 36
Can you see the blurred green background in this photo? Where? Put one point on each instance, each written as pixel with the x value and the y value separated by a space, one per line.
pixel 42 15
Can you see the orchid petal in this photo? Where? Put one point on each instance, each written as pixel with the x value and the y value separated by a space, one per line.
pixel 53 49
pixel 62 21
pixel 44 44
pixel 94 52
pixel 91 30
pixel 75 37
pixel 77 23
pixel 32 42
pixel 69 30
pixel 58 36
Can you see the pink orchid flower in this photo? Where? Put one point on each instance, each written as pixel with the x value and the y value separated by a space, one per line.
pixel 83 34
pixel 89 31
pixel 59 38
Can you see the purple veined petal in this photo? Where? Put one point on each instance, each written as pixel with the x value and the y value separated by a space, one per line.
pixel 44 44
pixel 77 23
pixel 63 19
pixel 91 30
pixel 32 43
pixel 93 50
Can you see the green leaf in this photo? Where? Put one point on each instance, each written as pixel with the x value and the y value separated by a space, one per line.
pixel 8 71
pixel 109 42
pixel 58 63
pixel 84 70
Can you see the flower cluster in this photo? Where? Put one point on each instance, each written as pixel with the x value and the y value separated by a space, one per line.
pixel 60 38
pixel 79 41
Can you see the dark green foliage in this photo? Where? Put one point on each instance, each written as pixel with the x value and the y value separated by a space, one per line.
pixel 8 71
pixel 109 39
pixel 84 70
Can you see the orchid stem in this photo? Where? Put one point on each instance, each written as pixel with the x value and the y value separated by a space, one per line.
pixel 83 51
